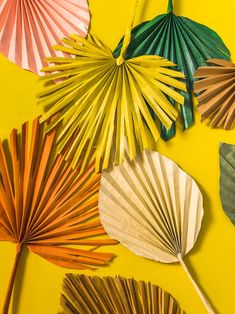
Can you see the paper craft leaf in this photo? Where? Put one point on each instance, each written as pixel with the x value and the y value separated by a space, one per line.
pixel 107 295
pixel 46 205
pixel 183 41
pixel 216 93
pixel 107 100
pixel 28 29
pixel 152 207
pixel 227 181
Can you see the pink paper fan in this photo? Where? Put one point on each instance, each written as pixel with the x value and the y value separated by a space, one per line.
pixel 29 28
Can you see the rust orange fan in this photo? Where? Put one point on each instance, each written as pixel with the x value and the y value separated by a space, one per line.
pixel 46 205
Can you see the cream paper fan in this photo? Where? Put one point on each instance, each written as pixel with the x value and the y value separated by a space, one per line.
pixel 154 208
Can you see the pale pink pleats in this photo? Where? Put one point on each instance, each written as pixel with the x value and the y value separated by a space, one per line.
pixel 29 28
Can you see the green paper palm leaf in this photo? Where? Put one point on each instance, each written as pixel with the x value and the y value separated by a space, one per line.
pixel 227 179
pixel 107 100
pixel 183 41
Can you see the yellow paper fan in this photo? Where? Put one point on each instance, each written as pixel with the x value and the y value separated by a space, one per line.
pixel 109 100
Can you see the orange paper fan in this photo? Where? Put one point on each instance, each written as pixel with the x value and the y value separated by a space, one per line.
pixel 217 94
pixel 29 29
pixel 46 205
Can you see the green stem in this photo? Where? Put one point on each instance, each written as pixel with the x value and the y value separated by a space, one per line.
pixel 12 279
pixel 170 6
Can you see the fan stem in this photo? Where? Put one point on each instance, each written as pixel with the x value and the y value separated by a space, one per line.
pixel 19 247
pixel 170 6
pixel 202 297
pixel 127 38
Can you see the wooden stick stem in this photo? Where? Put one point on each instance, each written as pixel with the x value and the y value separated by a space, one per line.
pixel 202 297
pixel 12 279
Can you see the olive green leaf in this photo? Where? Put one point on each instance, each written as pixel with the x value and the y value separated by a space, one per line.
pixel 227 179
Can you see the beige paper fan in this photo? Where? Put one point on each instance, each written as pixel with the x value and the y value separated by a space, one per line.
pixel 152 207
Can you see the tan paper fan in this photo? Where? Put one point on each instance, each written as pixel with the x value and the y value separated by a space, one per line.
pixel 217 93
pixel 107 295
pixel 46 205
pixel 154 208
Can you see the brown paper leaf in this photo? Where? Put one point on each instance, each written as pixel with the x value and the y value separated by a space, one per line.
pixel 107 295
pixel 216 93
pixel 45 204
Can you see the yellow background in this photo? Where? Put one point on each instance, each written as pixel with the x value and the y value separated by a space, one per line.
pixel 212 261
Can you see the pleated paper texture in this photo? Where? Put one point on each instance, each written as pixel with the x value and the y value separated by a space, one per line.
pixel 29 29
pixel 227 179
pixel 107 295
pixel 105 98
pixel 186 43
pixel 45 205
pixel 153 208
pixel 216 93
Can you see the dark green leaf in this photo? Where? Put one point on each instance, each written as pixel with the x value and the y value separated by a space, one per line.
pixel 183 41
